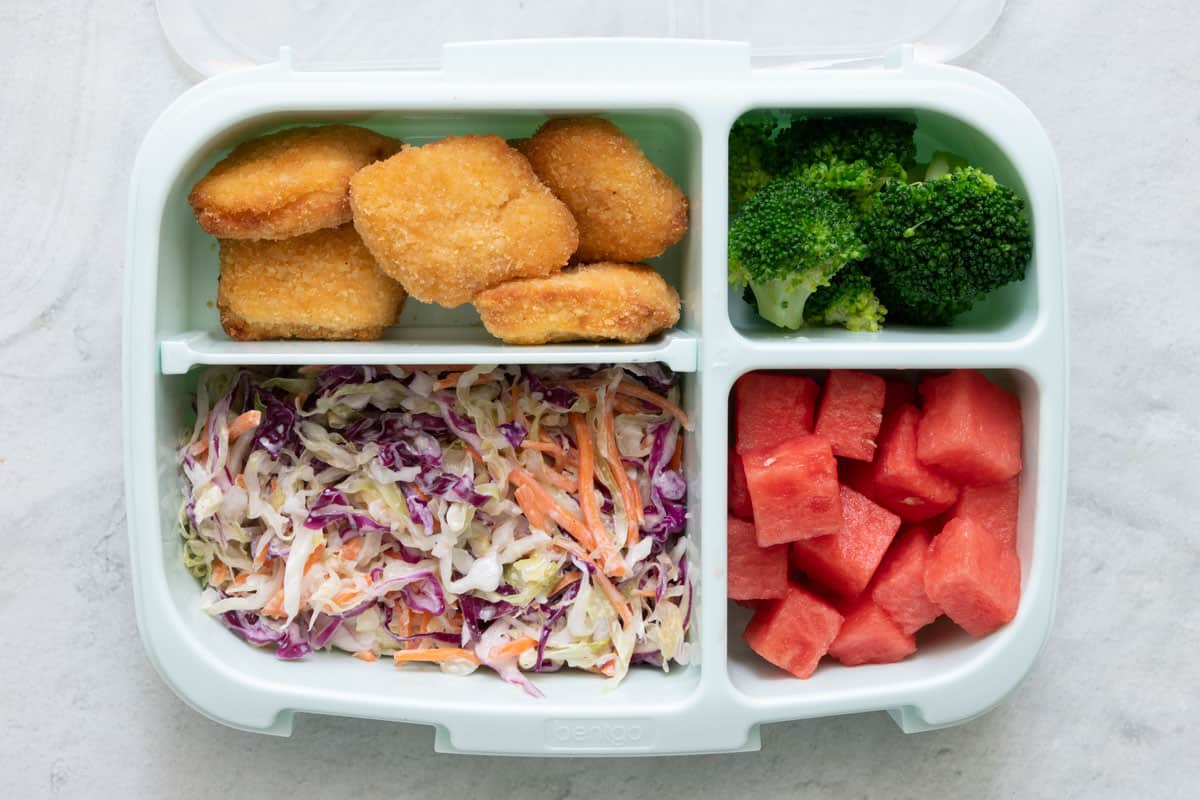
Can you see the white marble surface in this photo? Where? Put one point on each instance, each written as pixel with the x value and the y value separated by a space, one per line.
pixel 1110 710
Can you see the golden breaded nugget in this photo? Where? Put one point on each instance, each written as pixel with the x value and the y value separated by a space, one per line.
pixel 589 302
pixel 628 210
pixel 287 183
pixel 323 285
pixel 455 217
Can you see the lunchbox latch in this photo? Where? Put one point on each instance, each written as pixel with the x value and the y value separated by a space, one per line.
pixel 596 59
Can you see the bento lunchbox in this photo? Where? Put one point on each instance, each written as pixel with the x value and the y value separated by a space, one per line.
pixel 392 69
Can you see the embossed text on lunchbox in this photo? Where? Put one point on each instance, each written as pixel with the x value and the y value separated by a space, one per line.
pixel 599 734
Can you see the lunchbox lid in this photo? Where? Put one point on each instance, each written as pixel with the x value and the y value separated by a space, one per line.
pixel 213 36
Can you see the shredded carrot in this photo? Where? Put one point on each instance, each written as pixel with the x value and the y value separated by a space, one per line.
pixel 624 406
pixel 241 579
pixel 642 393
pixel 274 485
pixel 527 500
pixel 240 481
pixel 244 423
pixel 475 455
pixel 435 654
pixel 351 549
pixel 557 479
pixel 542 447
pixel 552 509
pixel 677 456
pixel 515 405
pixel 366 655
pixel 587 491
pixel 565 581
pixel 219 574
pixel 260 557
pixel 346 597
pixel 646 592
pixel 274 606
pixel 614 597
pixel 633 507
pixel 610 561
pixel 607 669
pixel 316 555
pixel 513 648
pixel 453 378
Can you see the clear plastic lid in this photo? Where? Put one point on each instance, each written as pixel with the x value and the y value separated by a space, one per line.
pixel 214 36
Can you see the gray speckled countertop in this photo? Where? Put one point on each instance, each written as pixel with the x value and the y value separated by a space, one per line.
pixel 1110 710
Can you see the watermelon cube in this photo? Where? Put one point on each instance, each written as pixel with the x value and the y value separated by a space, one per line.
pixel 993 507
pixel 973 576
pixel 793 490
pixel 754 573
pixel 970 429
pixel 844 562
pixel 794 631
pixel 899 585
pixel 769 409
pixel 739 493
pixel 902 483
pixel 898 392
pixel 869 636
pixel 851 412
pixel 858 475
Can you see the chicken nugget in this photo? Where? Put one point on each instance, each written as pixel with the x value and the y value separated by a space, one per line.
pixel 628 210
pixel 286 184
pixel 323 285
pixel 455 217
pixel 588 302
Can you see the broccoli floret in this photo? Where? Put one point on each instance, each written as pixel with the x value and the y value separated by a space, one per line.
pixel 786 242
pixel 854 154
pixel 940 245
pixel 849 301
pixel 848 154
pixel 753 158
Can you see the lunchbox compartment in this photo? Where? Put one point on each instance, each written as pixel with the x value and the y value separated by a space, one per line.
pixel 330 681
pixel 188 322
pixel 1005 314
pixel 945 654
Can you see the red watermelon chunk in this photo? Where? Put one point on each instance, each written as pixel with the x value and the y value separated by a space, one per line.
pixel 793 490
pixel 970 429
pixel 993 507
pixel 844 562
pixel 973 576
pixel 851 412
pixel 869 636
pixel 898 392
pixel 902 483
pixel 858 475
pixel 794 631
pixel 754 573
pixel 770 409
pixel 739 493
pixel 899 586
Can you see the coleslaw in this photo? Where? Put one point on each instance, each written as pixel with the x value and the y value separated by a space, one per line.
pixel 519 518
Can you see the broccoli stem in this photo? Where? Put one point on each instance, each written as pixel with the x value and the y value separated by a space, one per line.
pixel 781 302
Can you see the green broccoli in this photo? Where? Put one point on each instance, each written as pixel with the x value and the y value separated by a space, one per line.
pixel 849 301
pixel 940 245
pixel 786 242
pixel 850 154
pixel 854 154
pixel 752 154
